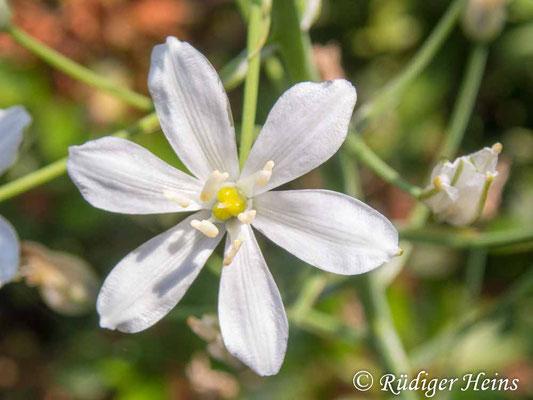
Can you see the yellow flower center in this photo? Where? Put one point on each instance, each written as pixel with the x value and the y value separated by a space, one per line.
pixel 230 203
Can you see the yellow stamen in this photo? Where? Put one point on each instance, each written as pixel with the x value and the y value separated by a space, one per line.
pixel 213 184
pixel 206 227
pixel 497 147
pixel 177 198
pixel 262 177
pixel 247 217
pixel 233 252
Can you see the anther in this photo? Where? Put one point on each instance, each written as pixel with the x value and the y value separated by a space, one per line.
pixel 400 252
pixel 206 227
pixel 233 252
pixel 262 177
pixel 437 182
pixel 177 198
pixel 497 147
pixel 247 217
pixel 212 185
pixel 490 177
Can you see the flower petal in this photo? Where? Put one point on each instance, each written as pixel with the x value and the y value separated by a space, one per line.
pixel 193 109
pixel 484 160
pixel 329 230
pixel 13 121
pixel 306 126
pixel 117 175
pixel 152 279
pixel 9 252
pixel 252 318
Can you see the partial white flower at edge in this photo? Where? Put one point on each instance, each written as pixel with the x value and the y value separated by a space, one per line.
pixel 458 190
pixel 13 121
pixel 326 229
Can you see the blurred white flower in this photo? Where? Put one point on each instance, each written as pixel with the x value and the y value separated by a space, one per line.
pixel 458 190
pixel 13 121
pixel 326 229
pixel 67 284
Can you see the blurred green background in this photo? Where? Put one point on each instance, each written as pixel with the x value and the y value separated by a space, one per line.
pixel 49 356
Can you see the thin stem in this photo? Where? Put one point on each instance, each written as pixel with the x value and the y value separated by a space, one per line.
pixel 382 332
pixel 78 71
pixel 295 44
pixel 418 63
pixel 475 270
pixel 467 96
pixel 358 148
pixel 467 239
pixel 147 124
pixel 256 33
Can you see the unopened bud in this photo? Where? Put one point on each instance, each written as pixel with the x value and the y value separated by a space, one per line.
pixel 483 20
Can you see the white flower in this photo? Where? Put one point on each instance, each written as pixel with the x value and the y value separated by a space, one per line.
pixel 458 190
pixel 326 229
pixel 13 121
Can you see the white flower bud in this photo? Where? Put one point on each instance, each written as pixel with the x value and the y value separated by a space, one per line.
pixel 66 283
pixel 458 190
pixel 483 20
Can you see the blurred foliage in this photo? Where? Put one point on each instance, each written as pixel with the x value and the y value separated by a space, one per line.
pixel 45 355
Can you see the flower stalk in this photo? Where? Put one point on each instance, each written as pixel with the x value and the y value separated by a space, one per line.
pixel 418 63
pixel 78 71
pixel 466 99
pixel 258 25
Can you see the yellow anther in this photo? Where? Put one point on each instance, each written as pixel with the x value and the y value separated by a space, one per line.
pixel 437 182
pixel 262 177
pixel 230 203
pixel 490 177
pixel 233 252
pixel 400 252
pixel 213 184
pixel 247 217
pixel 497 147
pixel 177 198
pixel 206 227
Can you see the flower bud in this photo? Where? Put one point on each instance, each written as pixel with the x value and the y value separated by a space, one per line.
pixel 458 190
pixel 66 283
pixel 5 15
pixel 483 20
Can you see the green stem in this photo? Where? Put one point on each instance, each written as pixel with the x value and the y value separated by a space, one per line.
pixel 355 144
pixel 256 33
pixel 295 45
pixel 467 96
pixel 78 71
pixel 467 239
pixel 383 334
pixel 147 124
pixel 475 270
pixel 419 62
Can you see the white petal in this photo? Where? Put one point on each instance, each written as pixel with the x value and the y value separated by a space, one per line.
pixel 306 126
pixel 484 160
pixel 117 175
pixel 193 109
pixel 329 230
pixel 150 281
pixel 470 187
pixel 252 318
pixel 12 123
pixel 9 252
